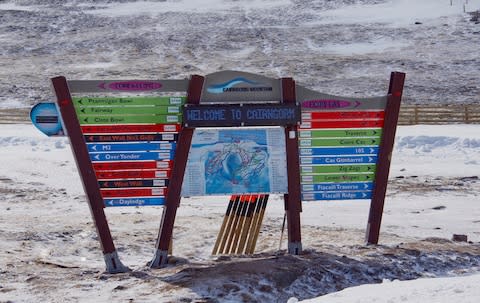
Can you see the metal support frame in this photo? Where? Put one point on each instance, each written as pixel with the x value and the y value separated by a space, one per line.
pixel 392 110
pixel 87 173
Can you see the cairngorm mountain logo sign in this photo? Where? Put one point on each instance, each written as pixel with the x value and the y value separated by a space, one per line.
pixel 235 85
pixel 227 87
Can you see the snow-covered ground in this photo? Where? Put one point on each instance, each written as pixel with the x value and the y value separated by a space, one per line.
pixel 341 47
pixel 50 251
pixel 439 290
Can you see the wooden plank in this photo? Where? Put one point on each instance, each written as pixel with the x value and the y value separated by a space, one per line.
pixel 229 225
pixel 236 221
pixel 247 225
pixel 241 222
pixel 226 218
pixel 258 225
pixel 254 224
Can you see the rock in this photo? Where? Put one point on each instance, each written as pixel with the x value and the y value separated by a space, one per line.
pixel 460 238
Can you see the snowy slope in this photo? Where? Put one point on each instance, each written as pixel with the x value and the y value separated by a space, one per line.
pixel 340 47
pixel 47 235
pixel 439 290
pixel 50 250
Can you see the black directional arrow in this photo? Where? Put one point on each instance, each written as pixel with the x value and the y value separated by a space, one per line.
pixel 85 120
pixel 83 110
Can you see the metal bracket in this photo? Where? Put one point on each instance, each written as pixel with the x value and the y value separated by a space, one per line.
pixel 114 265
pixel 160 259
pixel 294 248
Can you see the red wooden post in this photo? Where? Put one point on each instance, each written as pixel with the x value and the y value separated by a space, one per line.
pixel 293 206
pixel 392 110
pixel 173 197
pixel 87 173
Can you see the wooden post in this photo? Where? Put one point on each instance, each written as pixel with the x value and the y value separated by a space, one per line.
pixel 253 241
pixel 416 114
pixel 395 90
pixel 247 224
pixel 87 173
pixel 229 225
pixel 241 224
pixel 173 197
pixel 293 198
pixel 236 221
pixel 224 225
pixel 255 222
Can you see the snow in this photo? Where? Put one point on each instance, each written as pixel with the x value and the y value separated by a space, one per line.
pixel 360 48
pixel 398 12
pixel 439 290
pixel 13 6
pixel 314 41
pixel 185 6
pixel 50 250
pixel 432 205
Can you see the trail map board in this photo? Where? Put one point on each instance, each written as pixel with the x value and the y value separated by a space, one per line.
pixel 238 161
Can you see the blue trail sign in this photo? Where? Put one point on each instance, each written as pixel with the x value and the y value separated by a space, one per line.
pixel 134 201
pixel 166 155
pixel 131 147
pixel 333 151
pixel 340 195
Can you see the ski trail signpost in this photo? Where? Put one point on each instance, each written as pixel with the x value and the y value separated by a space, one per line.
pixel 338 160
pixel 123 145
pixel 346 146
pixel 139 149
pixel 234 133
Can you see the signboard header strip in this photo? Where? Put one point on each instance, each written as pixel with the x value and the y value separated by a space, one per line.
pixel 122 86
pixel 243 115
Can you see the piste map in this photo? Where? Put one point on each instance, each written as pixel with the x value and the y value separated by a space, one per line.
pixel 236 161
